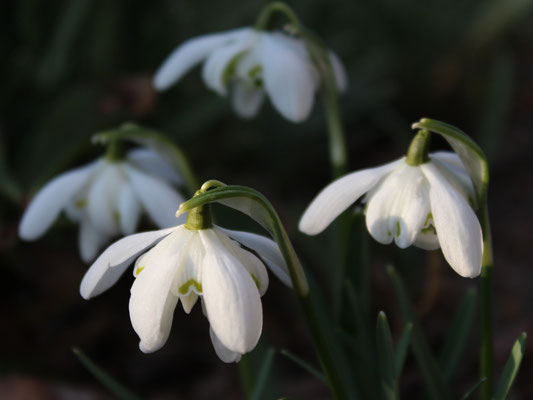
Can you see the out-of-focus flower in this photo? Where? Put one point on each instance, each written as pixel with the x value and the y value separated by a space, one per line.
pixel 247 62
pixel 106 198
pixel 186 265
pixel 425 205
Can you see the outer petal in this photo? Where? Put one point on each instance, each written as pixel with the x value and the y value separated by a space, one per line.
pixel 112 263
pixel 152 302
pixel 217 64
pixel 341 78
pixel 158 198
pixel 289 78
pixel 190 53
pixel 246 99
pixel 248 260
pixel 457 226
pixel 266 249
pixel 231 298
pixel 129 209
pixel 102 197
pixel 399 207
pixel 339 195
pixel 51 199
pixel 90 241
pixel 155 164
pixel 225 354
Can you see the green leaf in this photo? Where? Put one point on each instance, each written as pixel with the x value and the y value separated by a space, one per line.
pixel 401 349
pixel 254 204
pixel 158 142
pixel 470 153
pixel 458 334
pixel 385 356
pixel 305 365
pixel 511 368
pixel 428 366
pixel 264 371
pixel 118 390
pixel 472 390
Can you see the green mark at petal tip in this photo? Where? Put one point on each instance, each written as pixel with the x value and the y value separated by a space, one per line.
pixel 81 203
pixel 184 289
pixel 116 216
pixel 256 281
pixel 138 270
pixel 398 229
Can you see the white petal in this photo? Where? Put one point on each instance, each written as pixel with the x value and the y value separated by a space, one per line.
pixel 90 240
pixel 248 260
pixel 188 302
pixel 225 354
pixel 51 199
pixel 157 197
pixel 155 164
pixel 341 79
pixel 266 249
pixel 398 208
pixel 427 239
pixel 129 209
pixel 218 64
pixel 190 53
pixel 231 298
pixel 102 198
pixel 288 77
pixel 246 99
pixel 152 302
pixel 339 195
pixel 112 263
pixel 451 167
pixel 456 223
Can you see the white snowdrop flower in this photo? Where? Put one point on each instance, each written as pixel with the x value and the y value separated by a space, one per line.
pixel 224 268
pixel 248 62
pixel 428 205
pixel 106 198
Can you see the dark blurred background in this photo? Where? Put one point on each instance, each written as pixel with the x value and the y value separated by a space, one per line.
pixel 71 68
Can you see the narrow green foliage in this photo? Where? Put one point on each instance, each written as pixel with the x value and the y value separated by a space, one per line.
pixel 401 349
pixel 262 376
pixel 511 368
pixel 118 390
pixel 305 365
pixel 385 356
pixel 428 365
pixel 473 389
pixel 458 334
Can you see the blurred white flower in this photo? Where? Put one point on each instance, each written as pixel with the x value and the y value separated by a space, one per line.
pixel 106 198
pixel 247 62
pixel 425 205
pixel 188 264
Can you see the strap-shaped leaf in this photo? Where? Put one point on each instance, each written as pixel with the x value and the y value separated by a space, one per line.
pixel 255 205
pixel 473 389
pixel 264 371
pixel 156 141
pixel 385 352
pixel 458 334
pixel 511 368
pixel 304 365
pixel 401 349
pixel 119 391
pixel 428 365
pixel 470 153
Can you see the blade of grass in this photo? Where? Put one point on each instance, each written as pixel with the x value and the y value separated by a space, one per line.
pixel 401 349
pixel 428 366
pixel 511 368
pixel 458 334
pixel 471 391
pixel 262 376
pixel 118 390
pixel 304 365
pixel 385 358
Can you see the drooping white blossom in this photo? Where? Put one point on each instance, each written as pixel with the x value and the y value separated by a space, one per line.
pixel 107 199
pixel 429 206
pixel 187 265
pixel 245 63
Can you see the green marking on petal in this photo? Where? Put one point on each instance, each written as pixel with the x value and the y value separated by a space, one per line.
pixel 255 71
pixel 116 216
pixel 81 203
pixel 256 281
pixel 229 71
pixel 398 229
pixel 138 270
pixel 184 289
